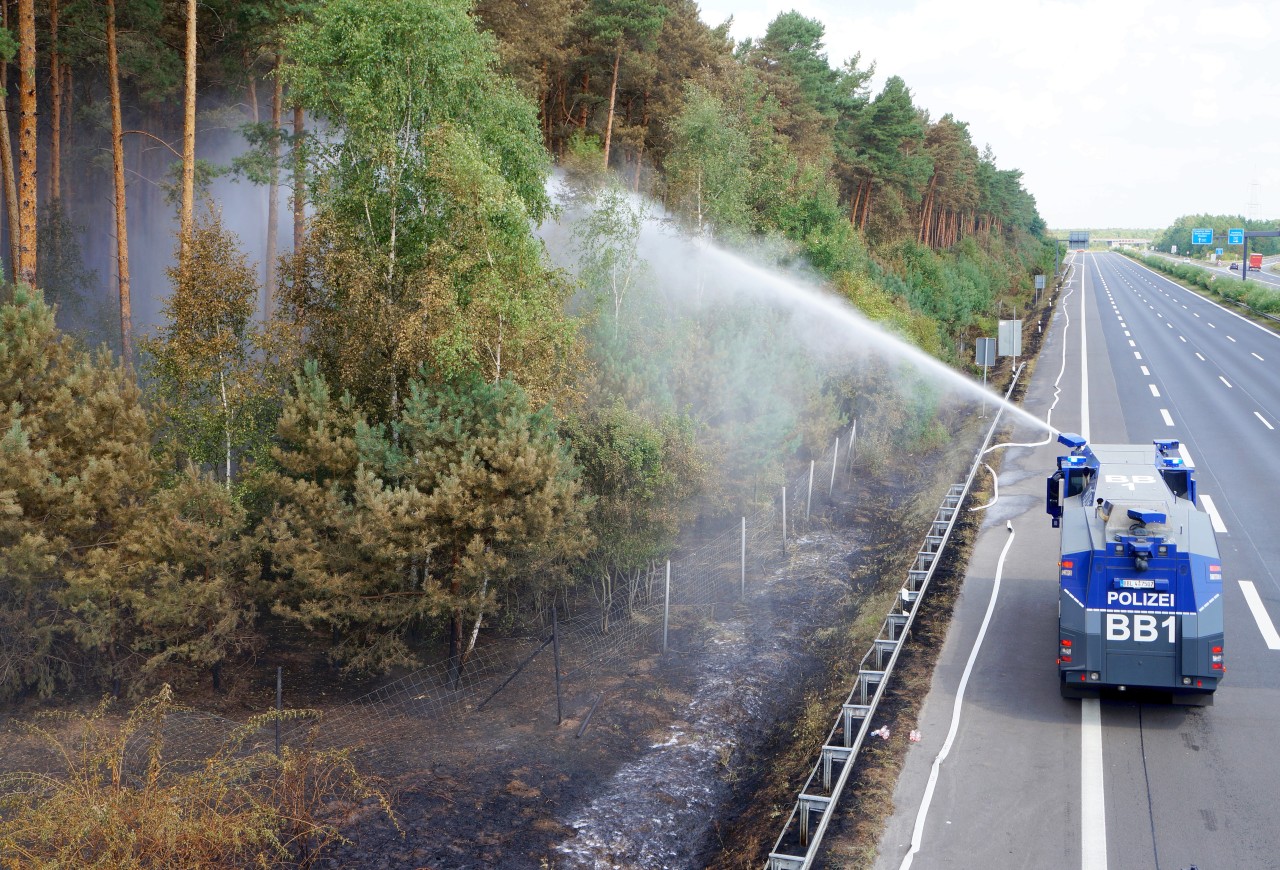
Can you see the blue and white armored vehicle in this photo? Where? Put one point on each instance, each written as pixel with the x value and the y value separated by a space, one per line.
pixel 1140 580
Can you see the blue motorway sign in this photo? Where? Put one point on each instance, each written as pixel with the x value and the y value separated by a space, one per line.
pixel 1202 237
pixel 1218 251
pixel 1235 237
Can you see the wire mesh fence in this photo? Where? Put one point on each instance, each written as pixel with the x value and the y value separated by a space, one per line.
pixel 720 570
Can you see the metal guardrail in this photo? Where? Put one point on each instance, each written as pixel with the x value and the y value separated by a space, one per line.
pixel 797 846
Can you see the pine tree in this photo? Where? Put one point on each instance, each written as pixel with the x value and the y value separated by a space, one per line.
pixel 75 475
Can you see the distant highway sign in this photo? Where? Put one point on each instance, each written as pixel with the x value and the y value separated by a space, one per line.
pixel 1202 237
pixel 1235 237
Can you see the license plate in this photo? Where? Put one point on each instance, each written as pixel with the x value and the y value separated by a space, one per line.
pixel 1129 583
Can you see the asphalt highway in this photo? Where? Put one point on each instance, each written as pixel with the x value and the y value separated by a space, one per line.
pixel 1014 776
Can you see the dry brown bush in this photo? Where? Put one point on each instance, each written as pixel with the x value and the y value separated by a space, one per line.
pixel 101 809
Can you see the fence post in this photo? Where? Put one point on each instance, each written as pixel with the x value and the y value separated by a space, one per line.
pixel 808 499
pixel 835 456
pixel 743 594
pixel 666 607
pixel 784 520
pixel 555 651
pixel 853 438
pixel 279 703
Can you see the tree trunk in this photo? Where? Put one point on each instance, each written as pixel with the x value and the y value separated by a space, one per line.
pixel 866 208
pixel 6 165
pixel 117 153
pixel 27 139
pixel 252 85
pixel 55 114
pixel 299 179
pixel 273 203
pixel 188 137
pixel 613 99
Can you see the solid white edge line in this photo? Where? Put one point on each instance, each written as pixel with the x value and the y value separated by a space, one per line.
pixel 1214 517
pixel 917 833
pixel 1093 813
pixel 1260 615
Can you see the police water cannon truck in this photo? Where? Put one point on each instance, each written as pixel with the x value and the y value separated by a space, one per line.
pixel 1140 580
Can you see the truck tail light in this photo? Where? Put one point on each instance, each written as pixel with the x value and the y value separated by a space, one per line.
pixel 1215 658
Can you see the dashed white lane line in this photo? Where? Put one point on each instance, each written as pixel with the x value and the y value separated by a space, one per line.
pixel 1132 343
pixel 1199 356
pixel 1182 338
pixel 1195 313
pixel 1137 355
pixel 1225 381
pixel 1211 326
pixel 1214 517
pixel 1126 333
pixel 1230 339
pixel 1093 815
pixel 1155 391
pixel 1260 359
pixel 1186 456
pixel 1164 412
pixel 1145 371
pixel 1264 420
pixel 1260 615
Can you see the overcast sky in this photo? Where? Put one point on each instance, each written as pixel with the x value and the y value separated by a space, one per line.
pixel 1120 113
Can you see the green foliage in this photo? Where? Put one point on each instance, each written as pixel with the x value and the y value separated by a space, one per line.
pixel 421 250
pixel 1255 294
pixel 212 379
pixel 378 530
pixel 75 472
pixel 1179 233
pixel 118 802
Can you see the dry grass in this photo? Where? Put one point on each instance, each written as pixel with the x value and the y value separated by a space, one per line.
pixel 110 806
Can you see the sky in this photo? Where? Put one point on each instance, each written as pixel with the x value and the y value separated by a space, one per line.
pixel 1120 113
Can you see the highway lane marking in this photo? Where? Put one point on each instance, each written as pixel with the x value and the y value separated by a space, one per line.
pixel 1182 338
pixel 1195 313
pixel 1145 371
pixel 1214 517
pixel 1260 615
pixel 1264 421
pixel 1168 421
pixel 1132 343
pixel 1154 390
pixel 1225 381
pixel 1186 456
pixel 1137 355
pixel 1229 338
pixel 1211 326
pixel 1199 357
pixel 917 833
pixel 1168 324
pixel 1093 814
pixel 1126 333
pixel 1260 359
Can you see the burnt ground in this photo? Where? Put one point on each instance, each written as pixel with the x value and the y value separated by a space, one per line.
pixel 691 758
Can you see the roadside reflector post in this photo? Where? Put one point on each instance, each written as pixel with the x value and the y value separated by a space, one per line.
pixel 744 558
